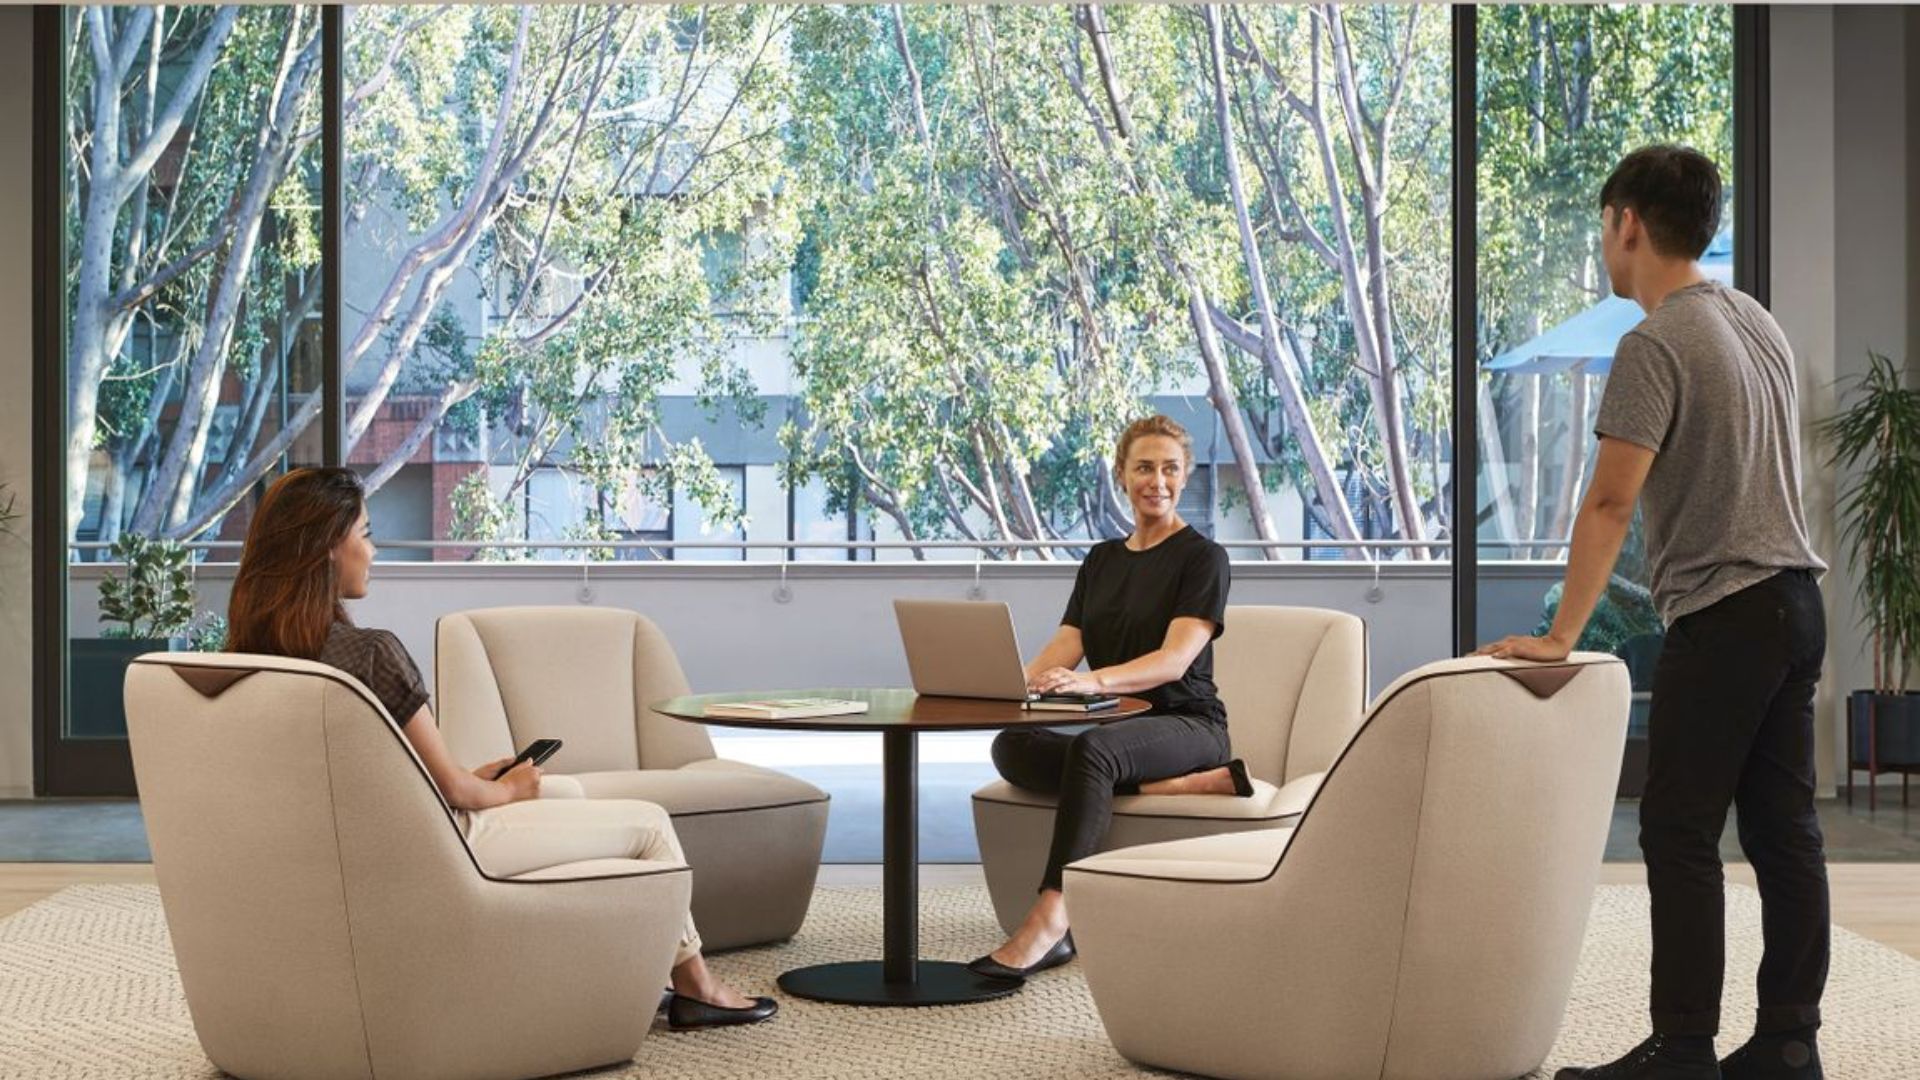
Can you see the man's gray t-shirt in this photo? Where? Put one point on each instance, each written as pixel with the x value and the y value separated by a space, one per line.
pixel 1707 383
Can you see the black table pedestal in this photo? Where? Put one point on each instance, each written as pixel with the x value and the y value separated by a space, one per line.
pixel 902 978
pixel 864 982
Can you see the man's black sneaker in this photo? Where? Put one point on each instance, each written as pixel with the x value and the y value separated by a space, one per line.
pixel 1791 1055
pixel 1661 1057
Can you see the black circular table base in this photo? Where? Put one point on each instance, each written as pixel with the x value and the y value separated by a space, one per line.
pixel 863 982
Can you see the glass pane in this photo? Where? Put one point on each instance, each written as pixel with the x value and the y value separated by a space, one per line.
pixel 194 300
pixel 992 283
pixel 1565 92
pixel 724 485
pixel 924 287
pixel 565 252
pixel 816 516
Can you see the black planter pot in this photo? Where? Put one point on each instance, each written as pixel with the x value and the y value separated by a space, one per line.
pixel 97 675
pixel 1895 727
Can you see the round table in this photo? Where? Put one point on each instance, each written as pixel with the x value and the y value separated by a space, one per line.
pixel 901 978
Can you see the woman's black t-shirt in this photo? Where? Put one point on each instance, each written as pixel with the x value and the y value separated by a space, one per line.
pixel 1124 600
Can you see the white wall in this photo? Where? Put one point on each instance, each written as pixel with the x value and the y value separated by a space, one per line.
pixel 16 400
pixel 1843 276
pixel 838 629
pixel 1804 299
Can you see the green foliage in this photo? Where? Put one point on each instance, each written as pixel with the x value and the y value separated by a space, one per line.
pixel 1565 92
pixel 481 516
pixel 1876 441
pixel 151 238
pixel 208 633
pixel 654 239
pixel 980 280
pixel 984 308
pixel 154 597
pixel 1625 611
pixel 1626 608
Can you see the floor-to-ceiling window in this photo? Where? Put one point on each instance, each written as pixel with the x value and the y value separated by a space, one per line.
pixel 619 282
pixel 1564 93
pixel 190 343
pixel 915 264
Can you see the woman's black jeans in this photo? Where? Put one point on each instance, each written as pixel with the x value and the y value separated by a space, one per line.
pixel 1086 768
pixel 1732 723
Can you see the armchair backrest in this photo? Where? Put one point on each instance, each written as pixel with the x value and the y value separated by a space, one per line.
pixel 1294 681
pixel 509 675
pixel 281 803
pixel 1456 843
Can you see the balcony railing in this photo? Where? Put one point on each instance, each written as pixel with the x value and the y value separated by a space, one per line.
pixel 1366 549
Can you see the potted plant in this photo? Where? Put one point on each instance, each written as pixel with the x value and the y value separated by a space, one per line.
pixel 148 609
pixel 1879 436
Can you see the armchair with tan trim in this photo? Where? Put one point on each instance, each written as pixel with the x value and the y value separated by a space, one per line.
pixel 1421 920
pixel 327 916
pixel 509 675
pixel 1294 681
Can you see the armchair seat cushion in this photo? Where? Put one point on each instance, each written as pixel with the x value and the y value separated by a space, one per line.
pixel 712 786
pixel 1267 803
pixel 1221 857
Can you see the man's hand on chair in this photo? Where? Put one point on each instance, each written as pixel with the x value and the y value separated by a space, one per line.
pixel 1522 647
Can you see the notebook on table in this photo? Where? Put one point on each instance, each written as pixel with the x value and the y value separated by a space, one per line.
pixel 1080 703
pixel 785 708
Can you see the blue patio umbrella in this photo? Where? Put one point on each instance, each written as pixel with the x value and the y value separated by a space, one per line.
pixel 1585 342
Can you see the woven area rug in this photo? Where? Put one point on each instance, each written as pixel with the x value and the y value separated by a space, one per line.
pixel 88 988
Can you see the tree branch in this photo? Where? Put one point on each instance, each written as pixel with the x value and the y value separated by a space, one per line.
pixel 185 92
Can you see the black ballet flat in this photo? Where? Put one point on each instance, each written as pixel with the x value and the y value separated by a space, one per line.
pixel 1061 952
pixel 692 1014
pixel 1242 783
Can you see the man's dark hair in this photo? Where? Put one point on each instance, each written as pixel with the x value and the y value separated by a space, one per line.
pixel 1676 192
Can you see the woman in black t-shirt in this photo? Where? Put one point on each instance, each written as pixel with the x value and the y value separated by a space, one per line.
pixel 1143 614
pixel 309 548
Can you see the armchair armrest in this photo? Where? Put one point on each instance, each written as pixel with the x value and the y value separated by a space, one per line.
pixel 594 869
pixel 1296 793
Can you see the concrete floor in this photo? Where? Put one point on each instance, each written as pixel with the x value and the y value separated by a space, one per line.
pixel 1891 834
pixel 110 830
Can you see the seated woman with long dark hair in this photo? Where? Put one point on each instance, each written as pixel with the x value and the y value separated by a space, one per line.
pixel 1143 614
pixel 308 549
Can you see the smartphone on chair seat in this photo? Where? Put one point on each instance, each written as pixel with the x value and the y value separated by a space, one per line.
pixel 537 751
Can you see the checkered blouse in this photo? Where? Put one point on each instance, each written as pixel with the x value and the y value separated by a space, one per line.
pixel 377 658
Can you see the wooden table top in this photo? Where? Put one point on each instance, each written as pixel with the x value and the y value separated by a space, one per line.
pixel 895 710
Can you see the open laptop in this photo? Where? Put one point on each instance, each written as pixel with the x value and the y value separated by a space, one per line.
pixel 960 648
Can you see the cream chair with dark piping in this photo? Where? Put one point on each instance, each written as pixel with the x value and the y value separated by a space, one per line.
pixel 1294 681
pixel 509 675
pixel 327 916
pixel 1423 918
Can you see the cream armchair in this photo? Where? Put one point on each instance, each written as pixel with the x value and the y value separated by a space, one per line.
pixel 507 676
pixel 1421 920
pixel 1294 681
pixel 327 916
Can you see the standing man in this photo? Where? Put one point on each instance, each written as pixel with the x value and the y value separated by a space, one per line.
pixel 1701 412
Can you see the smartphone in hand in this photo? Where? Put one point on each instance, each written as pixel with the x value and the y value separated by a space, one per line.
pixel 537 751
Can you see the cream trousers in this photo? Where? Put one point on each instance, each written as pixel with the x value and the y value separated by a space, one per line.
pixel 563 826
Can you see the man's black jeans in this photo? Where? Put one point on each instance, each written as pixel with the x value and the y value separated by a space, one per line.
pixel 1086 769
pixel 1732 723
